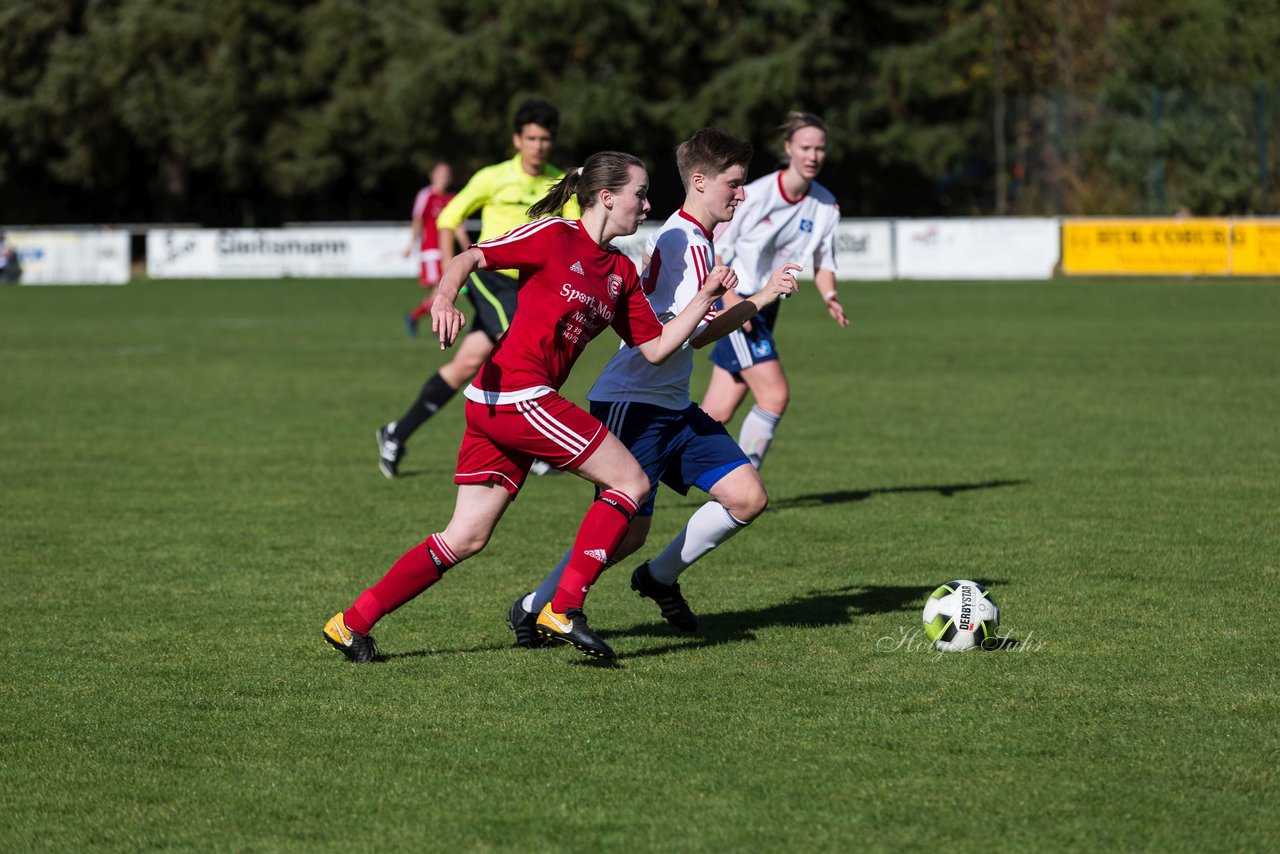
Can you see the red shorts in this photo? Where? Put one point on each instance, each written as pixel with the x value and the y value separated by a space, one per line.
pixel 429 271
pixel 501 441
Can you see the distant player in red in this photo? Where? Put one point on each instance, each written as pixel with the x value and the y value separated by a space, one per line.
pixel 427 205
pixel 573 284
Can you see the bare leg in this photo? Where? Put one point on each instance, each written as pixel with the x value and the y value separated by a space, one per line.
pixel 724 394
pixel 476 513
pixel 467 360
pixel 768 385
pixel 611 466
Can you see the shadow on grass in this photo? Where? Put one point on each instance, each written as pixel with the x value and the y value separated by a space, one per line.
pixel 426 653
pixel 816 609
pixel 849 496
pixel 578 659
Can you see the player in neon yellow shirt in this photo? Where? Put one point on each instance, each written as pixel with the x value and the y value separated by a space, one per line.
pixel 503 193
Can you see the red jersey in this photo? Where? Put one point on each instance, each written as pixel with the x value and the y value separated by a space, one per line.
pixel 570 290
pixel 427 206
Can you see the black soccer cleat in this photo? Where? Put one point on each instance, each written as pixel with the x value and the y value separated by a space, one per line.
pixel 675 610
pixel 390 451
pixel 525 625
pixel 358 648
pixel 571 627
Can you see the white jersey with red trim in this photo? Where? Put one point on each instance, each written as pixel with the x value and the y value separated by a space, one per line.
pixel 681 254
pixel 570 290
pixel 769 230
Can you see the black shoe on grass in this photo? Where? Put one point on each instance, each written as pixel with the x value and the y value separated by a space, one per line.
pixel 571 627
pixel 675 610
pixel 358 648
pixel 525 625
pixel 390 451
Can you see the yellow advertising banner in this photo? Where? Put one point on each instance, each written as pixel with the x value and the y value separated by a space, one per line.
pixel 1151 247
pixel 1255 247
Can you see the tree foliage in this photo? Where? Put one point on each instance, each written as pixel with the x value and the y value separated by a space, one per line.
pixel 260 111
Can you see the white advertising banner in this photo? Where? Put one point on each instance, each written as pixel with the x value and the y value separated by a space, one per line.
pixel 864 249
pixel 272 253
pixel 72 257
pixel 980 248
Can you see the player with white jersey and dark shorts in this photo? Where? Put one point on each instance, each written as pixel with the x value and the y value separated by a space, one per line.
pixel 573 284
pixel 647 405
pixel 788 218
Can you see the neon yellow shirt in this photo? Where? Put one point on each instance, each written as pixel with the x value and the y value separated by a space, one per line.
pixel 503 193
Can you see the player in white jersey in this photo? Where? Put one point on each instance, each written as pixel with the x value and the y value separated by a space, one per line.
pixel 788 217
pixel 647 405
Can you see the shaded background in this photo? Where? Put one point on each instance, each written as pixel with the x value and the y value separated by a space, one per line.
pixel 260 112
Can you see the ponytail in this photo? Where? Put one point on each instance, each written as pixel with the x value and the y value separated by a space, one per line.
pixel 559 195
pixel 604 170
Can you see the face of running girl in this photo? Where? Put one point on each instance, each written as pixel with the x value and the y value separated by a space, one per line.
pixel 724 192
pixel 631 203
pixel 806 150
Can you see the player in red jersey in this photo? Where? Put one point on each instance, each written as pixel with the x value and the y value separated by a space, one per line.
pixel 427 205
pixel 572 285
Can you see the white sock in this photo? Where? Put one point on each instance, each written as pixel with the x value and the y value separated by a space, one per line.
pixel 708 527
pixel 756 434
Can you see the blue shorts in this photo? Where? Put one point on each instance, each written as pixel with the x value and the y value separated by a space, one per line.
pixel 741 349
pixel 681 448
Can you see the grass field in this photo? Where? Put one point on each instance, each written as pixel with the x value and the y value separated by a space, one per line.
pixel 189 489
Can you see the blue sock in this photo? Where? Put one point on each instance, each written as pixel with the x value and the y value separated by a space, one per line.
pixel 547 589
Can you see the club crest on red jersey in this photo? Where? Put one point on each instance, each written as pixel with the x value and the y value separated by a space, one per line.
pixel 614 282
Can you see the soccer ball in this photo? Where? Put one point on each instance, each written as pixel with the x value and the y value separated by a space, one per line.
pixel 961 615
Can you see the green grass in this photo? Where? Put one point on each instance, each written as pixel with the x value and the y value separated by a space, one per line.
pixel 189 490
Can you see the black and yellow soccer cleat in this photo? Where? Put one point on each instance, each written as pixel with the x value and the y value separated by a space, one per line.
pixel 675 610
pixel 571 627
pixel 358 648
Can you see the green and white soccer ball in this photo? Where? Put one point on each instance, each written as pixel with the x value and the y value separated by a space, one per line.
pixel 961 615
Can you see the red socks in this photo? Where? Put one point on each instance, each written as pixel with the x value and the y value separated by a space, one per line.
pixel 421 308
pixel 414 572
pixel 601 531
pixel 605 525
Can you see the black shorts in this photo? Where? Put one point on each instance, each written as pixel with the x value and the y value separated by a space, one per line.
pixel 493 296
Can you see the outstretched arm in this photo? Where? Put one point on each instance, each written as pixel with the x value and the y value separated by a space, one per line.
pixel 677 330
pixel 446 320
pixel 782 283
